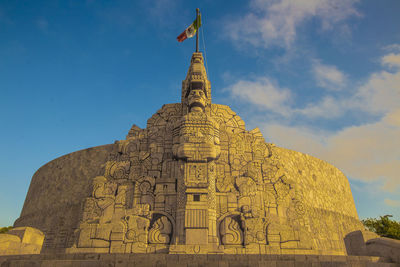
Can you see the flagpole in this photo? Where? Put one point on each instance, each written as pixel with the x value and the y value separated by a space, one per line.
pixel 197 32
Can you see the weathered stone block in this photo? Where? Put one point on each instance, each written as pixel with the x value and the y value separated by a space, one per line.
pixel 355 242
pixel 21 240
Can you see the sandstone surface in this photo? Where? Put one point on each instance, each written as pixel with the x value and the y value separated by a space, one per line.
pixel 194 181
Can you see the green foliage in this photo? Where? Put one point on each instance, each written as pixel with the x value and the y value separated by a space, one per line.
pixel 4 230
pixel 384 226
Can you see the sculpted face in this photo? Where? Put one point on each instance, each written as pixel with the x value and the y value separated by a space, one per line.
pixel 197 98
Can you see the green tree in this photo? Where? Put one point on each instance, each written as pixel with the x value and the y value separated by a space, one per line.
pixel 383 226
pixel 4 230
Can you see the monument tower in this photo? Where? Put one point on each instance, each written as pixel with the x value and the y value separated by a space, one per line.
pixel 195 180
pixel 196 147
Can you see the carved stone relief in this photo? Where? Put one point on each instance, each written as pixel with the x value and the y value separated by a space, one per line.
pixel 195 177
pixel 161 231
pixel 230 232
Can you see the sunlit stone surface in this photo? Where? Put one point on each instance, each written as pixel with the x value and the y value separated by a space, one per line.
pixel 193 181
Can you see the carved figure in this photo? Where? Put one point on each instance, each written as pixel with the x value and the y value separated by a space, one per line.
pixel 246 186
pixel 121 195
pixel 137 227
pixel 104 195
pixel 145 188
pixel 196 137
pixel 91 212
pixel 197 100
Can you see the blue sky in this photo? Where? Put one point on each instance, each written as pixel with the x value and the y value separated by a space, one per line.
pixel 317 76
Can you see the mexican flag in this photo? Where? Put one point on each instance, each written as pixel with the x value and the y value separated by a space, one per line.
pixel 191 30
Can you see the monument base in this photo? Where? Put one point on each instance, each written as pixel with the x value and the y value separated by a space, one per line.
pixel 122 260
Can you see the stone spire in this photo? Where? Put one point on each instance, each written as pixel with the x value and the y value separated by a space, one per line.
pixel 196 78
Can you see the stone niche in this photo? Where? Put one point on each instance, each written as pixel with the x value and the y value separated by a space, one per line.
pixel 193 181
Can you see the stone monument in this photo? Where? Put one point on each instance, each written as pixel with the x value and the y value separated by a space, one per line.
pixel 194 181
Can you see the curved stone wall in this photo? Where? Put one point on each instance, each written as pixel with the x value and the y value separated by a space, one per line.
pixel 57 190
pixel 322 185
pixel 329 207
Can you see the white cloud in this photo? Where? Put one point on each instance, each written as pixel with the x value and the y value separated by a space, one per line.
pixel 299 138
pixel 328 76
pixel 263 93
pixel 379 95
pixel 393 118
pixel 391 60
pixel 369 152
pixel 392 47
pixel 275 22
pixel 392 203
pixel 329 108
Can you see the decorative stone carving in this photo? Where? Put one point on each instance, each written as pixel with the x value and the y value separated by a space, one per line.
pixel 230 232
pixel 137 229
pixel 104 195
pixel 161 231
pixel 246 186
pixel 224 182
pixel 117 170
pixel 196 137
pixel 196 181
pixel 91 211
pixel 253 224
pixel 121 197
pixel 196 174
